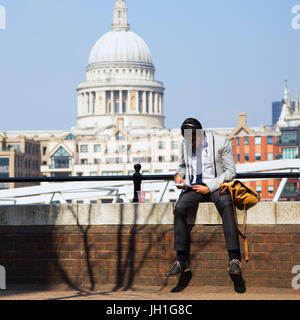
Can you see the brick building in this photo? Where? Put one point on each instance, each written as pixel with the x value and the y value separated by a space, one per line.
pixel 19 157
pixel 256 144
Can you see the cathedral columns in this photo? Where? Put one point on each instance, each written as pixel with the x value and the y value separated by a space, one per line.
pixel 137 99
pixel 120 101
pixel 151 111
pixel 155 103
pixel 112 102
pixel 144 102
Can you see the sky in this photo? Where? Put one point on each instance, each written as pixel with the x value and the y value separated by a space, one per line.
pixel 216 58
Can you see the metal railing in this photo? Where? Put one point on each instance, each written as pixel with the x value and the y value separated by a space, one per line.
pixel 137 178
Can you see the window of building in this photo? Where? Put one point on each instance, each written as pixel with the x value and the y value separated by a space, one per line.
pixel 161 159
pixel 83 148
pixel 70 137
pixel 157 171
pixel 79 174
pixel 83 161
pixel 44 150
pixel 14 146
pixel 257 140
pixel 269 140
pixel 174 145
pixel 60 159
pixel 289 137
pixel 122 148
pixel 258 189
pixel 237 158
pixel 246 157
pixel 270 189
pixel 107 200
pixel 290 187
pixel 4 162
pixel 97 161
pixel 289 153
pixel 97 147
pixel 4 172
pixel 270 156
pixel 257 156
pixel 246 141
pixel 93 174
pixel 237 141
pixel 174 158
pixel 113 160
pixel 160 145
pixel 112 173
pixel 141 159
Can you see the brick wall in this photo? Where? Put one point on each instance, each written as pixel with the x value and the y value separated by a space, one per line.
pixel 128 255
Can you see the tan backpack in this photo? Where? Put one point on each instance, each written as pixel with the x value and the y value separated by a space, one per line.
pixel 243 198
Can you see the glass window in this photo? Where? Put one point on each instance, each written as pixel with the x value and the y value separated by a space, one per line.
pixel 237 141
pixel 161 159
pixel 97 147
pixel 289 137
pixel 83 161
pixel 290 187
pixel 93 174
pixel 141 159
pixel 83 148
pixel 270 156
pixel 174 145
pixel 160 145
pixel 4 162
pixel 246 141
pixel 61 159
pixel 270 189
pixel 257 140
pixel 257 156
pixel 97 161
pixel 258 189
pixel 237 158
pixel 14 146
pixel 270 140
pixel 70 137
pixel 246 157
pixel 112 173
pixel 289 153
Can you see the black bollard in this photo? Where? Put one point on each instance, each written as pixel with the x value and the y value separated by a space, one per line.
pixel 137 181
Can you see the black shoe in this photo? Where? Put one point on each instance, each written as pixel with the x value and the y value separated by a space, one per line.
pixel 234 266
pixel 176 268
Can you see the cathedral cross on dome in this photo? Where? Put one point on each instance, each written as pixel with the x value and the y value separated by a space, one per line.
pixel 120 16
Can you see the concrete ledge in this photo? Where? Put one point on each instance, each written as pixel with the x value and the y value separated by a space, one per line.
pixel 140 214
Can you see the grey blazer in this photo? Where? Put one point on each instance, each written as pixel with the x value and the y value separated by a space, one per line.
pixel 221 157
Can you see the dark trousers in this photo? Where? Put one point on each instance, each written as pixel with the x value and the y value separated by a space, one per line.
pixel 188 203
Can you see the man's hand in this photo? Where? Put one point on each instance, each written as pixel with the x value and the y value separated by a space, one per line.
pixel 178 179
pixel 201 189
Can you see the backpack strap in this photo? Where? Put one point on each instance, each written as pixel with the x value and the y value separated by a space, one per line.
pixel 243 234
